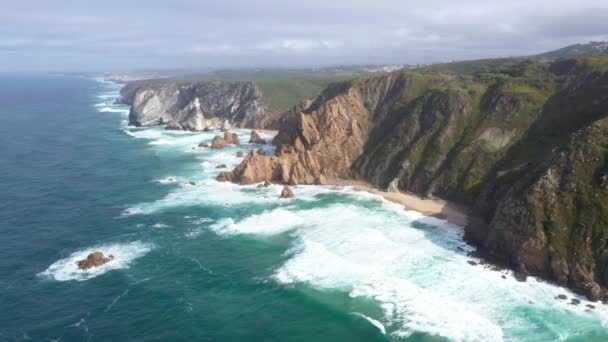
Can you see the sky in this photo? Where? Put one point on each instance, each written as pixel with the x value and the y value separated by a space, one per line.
pixel 130 35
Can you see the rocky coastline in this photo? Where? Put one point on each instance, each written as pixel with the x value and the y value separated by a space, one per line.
pixel 525 152
pixel 519 143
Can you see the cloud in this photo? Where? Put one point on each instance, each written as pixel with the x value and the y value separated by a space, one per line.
pixel 62 34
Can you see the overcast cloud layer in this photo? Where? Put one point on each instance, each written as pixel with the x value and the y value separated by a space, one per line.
pixel 129 35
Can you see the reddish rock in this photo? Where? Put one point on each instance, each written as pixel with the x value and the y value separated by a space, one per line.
pixel 225 177
pixel 261 152
pixel 232 138
pixel 94 259
pixel 256 139
pixel 286 192
pixel 219 143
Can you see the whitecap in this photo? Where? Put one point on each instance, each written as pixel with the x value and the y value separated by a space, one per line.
pixel 374 322
pixel 113 110
pixel 124 254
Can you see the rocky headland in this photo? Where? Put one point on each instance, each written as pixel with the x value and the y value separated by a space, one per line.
pixel 197 105
pixel 523 143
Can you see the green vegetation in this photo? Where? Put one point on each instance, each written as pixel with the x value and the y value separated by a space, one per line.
pixel 282 94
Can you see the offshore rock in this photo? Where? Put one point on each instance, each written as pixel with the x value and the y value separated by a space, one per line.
pixel 256 139
pixel 286 192
pixel 94 259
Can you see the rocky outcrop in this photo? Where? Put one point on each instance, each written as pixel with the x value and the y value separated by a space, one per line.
pixel 94 259
pixel 520 142
pixel 190 105
pixel 228 139
pixel 256 139
pixel 287 192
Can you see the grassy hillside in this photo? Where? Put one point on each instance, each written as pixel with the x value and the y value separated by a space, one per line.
pixel 280 94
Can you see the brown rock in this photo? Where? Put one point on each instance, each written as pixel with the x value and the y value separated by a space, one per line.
pixel 94 259
pixel 256 139
pixel 287 193
pixel 595 293
pixel 221 166
pixel 232 138
pixel 240 154
pixel 261 152
pixel 203 144
pixel 225 177
pixel 219 143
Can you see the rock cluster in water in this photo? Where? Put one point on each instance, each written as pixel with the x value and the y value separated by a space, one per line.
pixel 228 139
pixel 94 259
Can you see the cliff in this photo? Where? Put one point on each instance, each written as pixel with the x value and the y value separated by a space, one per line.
pixel 522 142
pixel 195 105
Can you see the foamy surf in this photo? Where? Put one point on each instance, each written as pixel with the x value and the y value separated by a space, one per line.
pixel 124 254
pixel 419 274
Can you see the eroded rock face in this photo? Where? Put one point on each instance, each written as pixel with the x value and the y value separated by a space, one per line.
pixel 94 259
pixel 256 139
pixel 187 106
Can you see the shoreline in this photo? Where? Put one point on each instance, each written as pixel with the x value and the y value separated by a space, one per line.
pixel 434 207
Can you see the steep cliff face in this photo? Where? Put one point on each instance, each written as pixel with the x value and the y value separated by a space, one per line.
pixel 522 142
pixel 196 105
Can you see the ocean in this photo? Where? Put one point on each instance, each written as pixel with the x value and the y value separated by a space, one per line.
pixel 222 262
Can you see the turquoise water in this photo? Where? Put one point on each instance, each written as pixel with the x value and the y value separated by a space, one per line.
pixel 221 262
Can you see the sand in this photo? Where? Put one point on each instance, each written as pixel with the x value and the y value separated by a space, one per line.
pixel 436 207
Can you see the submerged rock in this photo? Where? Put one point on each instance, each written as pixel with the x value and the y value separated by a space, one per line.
pixel 256 139
pixel 203 144
pixel 240 154
pixel 94 259
pixel 286 192
pixel 561 297
pixel 221 166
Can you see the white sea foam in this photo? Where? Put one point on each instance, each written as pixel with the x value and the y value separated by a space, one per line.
pixel 113 110
pixel 209 191
pixel 414 267
pixel 419 276
pixel 374 322
pixel 124 253
pixel 168 180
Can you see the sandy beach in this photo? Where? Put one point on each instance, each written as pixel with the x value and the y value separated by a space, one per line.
pixel 434 207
